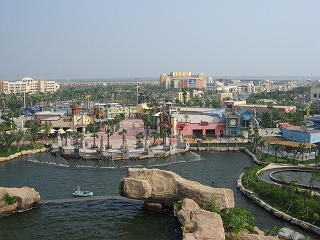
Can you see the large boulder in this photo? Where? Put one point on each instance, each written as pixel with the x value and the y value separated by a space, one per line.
pixel 26 198
pixel 198 223
pixel 166 187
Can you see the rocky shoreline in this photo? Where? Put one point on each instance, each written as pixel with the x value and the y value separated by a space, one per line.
pixel 22 153
pixel 22 199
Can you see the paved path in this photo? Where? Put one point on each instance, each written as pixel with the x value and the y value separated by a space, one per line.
pixel 131 125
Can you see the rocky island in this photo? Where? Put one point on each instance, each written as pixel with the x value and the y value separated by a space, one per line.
pixel 17 199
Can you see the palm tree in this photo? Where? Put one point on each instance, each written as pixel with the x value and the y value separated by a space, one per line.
pixel 77 135
pixel 139 136
pixel 147 120
pixel 8 139
pixel 46 130
pixel 314 176
pixel 33 129
pixel 109 131
pixel 155 135
pixel 18 136
pixel 302 148
pixel 123 132
pixel 276 148
pixel 186 117
pixel 94 135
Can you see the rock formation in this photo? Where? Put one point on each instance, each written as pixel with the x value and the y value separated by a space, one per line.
pixel 25 198
pixel 165 187
pixel 198 223
pixel 201 224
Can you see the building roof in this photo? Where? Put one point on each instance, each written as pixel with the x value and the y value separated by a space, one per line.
pixel 196 118
pixel 274 140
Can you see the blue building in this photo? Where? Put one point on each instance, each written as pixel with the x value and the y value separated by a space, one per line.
pixel 302 134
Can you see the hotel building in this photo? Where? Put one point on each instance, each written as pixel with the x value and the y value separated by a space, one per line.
pixel 28 85
pixel 183 80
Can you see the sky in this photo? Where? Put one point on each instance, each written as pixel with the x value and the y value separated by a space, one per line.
pixel 69 39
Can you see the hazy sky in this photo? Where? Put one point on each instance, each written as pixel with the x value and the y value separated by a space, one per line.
pixel 59 39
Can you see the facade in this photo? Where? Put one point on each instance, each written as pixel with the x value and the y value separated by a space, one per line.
pixel 300 134
pixel 28 85
pixel 315 94
pixel 264 108
pixel 183 80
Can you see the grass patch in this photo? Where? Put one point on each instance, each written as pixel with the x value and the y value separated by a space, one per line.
pixel 9 199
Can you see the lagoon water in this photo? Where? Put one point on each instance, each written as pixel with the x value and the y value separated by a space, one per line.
pixel 111 217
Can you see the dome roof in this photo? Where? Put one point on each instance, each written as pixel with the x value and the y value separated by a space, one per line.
pixel 27 79
pixel 225 90
pixel 217 84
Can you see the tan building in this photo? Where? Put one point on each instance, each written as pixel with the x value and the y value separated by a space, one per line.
pixel 315 95
pixel 183 80
pixel 181 97
pixel 28 85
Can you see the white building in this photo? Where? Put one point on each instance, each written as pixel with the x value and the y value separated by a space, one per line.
pixel 28 85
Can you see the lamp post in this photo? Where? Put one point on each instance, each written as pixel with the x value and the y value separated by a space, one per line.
pixel 137 90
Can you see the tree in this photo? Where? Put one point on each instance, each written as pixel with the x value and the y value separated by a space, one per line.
pixel 314 176
pixel 302 148
pixel 94 135
pixel 18 136
pixel 33 129
pixel 8 138
pixel 77 135
pixel 276 148
pixel 46 130
pixel 139 136
pixel 186 117
pixel 155 135
pixel 147 120
pixel 109 132
pixel 123 132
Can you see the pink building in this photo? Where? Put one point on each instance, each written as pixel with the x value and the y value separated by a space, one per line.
pixel 201 129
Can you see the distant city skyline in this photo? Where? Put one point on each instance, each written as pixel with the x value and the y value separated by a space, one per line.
pixel 82 39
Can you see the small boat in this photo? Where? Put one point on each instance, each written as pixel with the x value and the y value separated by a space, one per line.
pixel 78 193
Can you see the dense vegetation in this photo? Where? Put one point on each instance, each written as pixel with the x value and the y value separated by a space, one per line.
pixel 288 198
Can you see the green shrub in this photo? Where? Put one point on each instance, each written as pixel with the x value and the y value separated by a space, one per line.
pixel 235 220
pixel 177 205
pixel 211 205
pixel 9 199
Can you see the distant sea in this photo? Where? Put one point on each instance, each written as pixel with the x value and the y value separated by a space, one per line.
pixel 156 79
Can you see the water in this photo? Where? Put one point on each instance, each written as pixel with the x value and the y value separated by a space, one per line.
pixel 301 177
pixel 112 218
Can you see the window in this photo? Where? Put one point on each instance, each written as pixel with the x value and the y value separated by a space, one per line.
pixel 315 95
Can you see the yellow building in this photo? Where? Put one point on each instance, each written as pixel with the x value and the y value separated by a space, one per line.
pixel 183 80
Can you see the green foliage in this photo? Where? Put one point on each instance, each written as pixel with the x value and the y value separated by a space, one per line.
pixel 185 227
pixel 177 205
pixel 273 232
pixel 288 198
pixel 235 220
pixel 211 205
pixel 9 199
pixel 5 152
